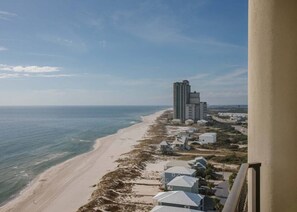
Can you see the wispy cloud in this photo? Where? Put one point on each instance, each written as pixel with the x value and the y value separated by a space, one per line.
pixel 162 29
pixel 198 76
pixel 8 75
pixel 4 15
pixel 9 71
pixel 3 48
pixel 238 76
pixel 29 69
pixel 72 42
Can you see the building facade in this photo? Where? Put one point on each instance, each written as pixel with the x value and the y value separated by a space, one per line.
pixel 181 93
pixel 186 104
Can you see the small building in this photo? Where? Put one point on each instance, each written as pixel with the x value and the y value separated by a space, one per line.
pixel 184 134
pixel 166 148
pixel 184 183
pixel 176 121
pixel 180 199
pixel 171 173
pixel 161 208
pixel 177 163
pixel 192 130
pixel 208 138
pixel 181 143
pixel 198 163
pixel 189 122
pixel 202 122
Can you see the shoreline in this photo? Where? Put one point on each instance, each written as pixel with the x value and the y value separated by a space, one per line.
pixel 69 185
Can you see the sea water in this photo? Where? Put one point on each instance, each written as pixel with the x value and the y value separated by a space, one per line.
pixel 32 139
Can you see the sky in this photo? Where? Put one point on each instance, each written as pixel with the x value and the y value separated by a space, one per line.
pixel 121 52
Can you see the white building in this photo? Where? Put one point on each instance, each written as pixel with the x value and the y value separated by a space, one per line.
pixel 208 138
pixel 181 143
pixel 198 163
pixel 202 122
pixel 171 173
pixel 180 199
pixel 166 147
pixel 161 208
pixel 184 183
pixel 189 122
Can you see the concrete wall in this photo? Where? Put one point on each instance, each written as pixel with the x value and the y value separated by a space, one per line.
pixel 272 65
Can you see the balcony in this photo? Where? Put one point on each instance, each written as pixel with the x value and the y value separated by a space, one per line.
pixel 237 199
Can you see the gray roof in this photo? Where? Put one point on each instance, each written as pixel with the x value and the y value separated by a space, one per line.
pixel 162 208
pixel 178 163
pixel 200 160
pixel 180 170
pixel 209 134
pixel 179 198
pixel 183 181
pixel 164 143
pixel 222 191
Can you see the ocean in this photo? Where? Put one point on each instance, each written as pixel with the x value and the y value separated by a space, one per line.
pixel 32 139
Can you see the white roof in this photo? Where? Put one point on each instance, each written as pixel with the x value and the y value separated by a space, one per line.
pixel 180 170
pixel 183 181
pixel 208 134
pixel 162 208
pixel 178 163
pixel 201 121
pixel 179 198
pixel 163 143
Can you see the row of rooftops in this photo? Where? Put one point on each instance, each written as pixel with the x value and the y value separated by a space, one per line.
pixel 179 200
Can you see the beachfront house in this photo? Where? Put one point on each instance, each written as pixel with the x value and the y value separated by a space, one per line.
pixel 201 122
pixel 199 163
pixel 162 208
pixel 181 143
pixel 173 163
pixel 176 121
pixel 184 183
pixel 184 134
pixel 208 138
pixel 180 199
pixel 189 122
pixel 166 148
pixel 192 130
pixel 171 173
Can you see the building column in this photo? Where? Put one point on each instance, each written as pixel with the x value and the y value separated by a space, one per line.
pixel 272 130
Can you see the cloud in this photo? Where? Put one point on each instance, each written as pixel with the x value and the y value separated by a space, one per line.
pixel 24 75
pixel 3 48
pixel 29 69
pixel 72 42
pixel 238 76
pixel 198 76
pixel 162 29
pixel 6 75
pixel 4 15
pixel 30 72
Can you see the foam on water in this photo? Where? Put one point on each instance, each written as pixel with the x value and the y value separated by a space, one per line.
pixel 32 139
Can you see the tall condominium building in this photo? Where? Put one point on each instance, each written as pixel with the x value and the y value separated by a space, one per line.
pixel 187 104
pixel 181 94
pixel 203 110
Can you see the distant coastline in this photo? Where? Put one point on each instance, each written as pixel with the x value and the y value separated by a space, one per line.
pixel 32 182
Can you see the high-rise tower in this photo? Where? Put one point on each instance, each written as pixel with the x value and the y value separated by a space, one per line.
pixel 186 104
pixel 181 94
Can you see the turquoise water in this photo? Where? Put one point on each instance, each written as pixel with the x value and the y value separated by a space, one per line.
pixel 32 139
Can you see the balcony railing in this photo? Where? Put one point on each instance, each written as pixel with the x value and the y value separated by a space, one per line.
pixel 236 201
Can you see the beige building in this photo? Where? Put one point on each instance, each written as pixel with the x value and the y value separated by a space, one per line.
pixel 272 118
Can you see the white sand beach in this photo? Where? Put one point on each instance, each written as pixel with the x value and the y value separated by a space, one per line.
pixel 69 185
